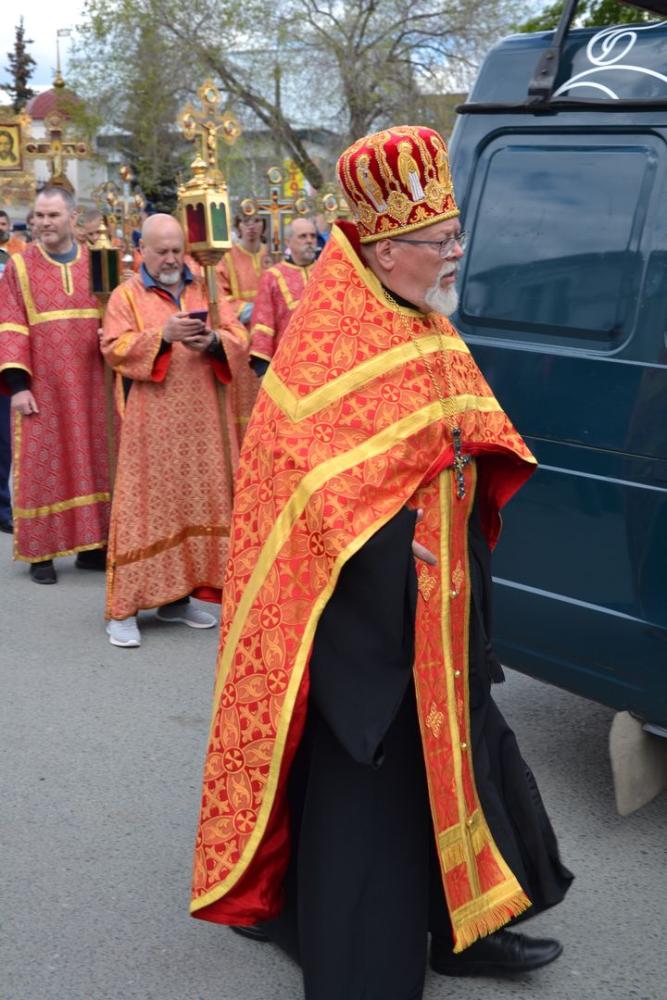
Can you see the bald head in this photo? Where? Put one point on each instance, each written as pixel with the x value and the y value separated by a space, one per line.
pixel 162 247
pixel 301 240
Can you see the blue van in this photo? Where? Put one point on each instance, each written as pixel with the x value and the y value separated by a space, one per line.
pixel 560 168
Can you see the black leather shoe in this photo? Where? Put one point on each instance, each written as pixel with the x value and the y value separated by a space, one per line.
pixel 7 526
pixel 43 572
pixel 499 953
pixel 92 559
pixel 254 933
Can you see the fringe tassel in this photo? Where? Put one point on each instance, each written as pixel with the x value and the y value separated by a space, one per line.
pixel 491 920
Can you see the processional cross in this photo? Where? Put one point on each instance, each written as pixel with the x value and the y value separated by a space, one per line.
pixel 204 199
pixel 277 208
pixel 57 150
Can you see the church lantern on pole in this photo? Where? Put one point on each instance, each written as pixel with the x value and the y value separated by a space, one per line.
pixel 204 199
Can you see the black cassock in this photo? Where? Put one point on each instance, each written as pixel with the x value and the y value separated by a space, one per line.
pixel 363 887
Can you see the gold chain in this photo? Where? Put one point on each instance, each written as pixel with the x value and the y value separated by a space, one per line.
pixel 425 358
pixel 460 460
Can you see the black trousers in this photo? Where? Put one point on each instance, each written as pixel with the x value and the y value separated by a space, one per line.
pixel 356 914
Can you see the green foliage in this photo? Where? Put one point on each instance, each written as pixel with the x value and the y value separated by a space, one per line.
pixel 20 69
pixel 343 67
pixel 590 14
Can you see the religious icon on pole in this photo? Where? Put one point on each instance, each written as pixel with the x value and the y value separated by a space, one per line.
pixel 204 200
pixel 16 184
pixel 10 146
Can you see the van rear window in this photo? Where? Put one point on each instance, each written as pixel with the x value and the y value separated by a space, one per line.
pixel 556 234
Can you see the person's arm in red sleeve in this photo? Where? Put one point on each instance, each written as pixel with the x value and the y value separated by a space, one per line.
pixel 15 352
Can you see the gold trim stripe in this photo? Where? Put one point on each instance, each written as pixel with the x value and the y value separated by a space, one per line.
pixel 15 364
pixel 192 531
pixel 297 408
pixel 65 552
pixel 14 328
pixel 263 328
pixel 34 316
pixel 62 505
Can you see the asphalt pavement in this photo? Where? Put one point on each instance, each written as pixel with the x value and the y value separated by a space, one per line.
pixel 102 756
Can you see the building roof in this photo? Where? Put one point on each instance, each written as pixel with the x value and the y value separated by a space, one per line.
pixel 58 98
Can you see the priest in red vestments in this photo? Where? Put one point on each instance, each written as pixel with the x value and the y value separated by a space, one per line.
pixel 280 292
pixel 361 787
pixel 51 365
pixel 178 449
pixel 240 271
pixel 242 266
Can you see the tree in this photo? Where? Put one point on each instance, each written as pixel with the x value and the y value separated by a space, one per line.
pixel 20 69
pixel 590 14
pixel 347 65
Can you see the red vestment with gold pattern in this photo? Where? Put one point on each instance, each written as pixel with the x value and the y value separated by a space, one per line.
pixel 239 273
pixel 279 293
pixel 178 451
pixel 365 408
pixel 48 328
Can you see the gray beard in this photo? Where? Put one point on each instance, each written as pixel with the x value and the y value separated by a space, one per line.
pixel 444 301
pixel 169 277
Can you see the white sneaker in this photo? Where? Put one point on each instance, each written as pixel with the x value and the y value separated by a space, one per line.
pixel 124 632
pixel 186 614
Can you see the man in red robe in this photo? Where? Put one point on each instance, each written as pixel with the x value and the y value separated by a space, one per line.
pixel 280 292
pixel 51 365
pixel 240 272
pixel 241 269
pixel 361 787
pixel 178 449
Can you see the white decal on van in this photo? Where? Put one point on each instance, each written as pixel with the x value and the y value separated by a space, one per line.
pixel 604 51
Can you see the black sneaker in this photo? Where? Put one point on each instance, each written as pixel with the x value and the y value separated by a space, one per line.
pixel 7 525
pixel 43 572
pixel 92 559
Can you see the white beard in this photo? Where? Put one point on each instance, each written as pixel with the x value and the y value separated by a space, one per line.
pixel 442 300
pixel 169 277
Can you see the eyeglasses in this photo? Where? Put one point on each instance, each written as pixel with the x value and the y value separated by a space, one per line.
pixel 445 247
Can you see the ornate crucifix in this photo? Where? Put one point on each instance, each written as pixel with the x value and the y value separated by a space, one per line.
pixel 204 199
pixel 459 463
pixel 277 208
pixel 209 125
pixel 57 150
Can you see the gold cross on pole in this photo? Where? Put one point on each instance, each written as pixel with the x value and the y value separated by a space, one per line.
pixel 276 208
pixel 57 150
pixel 208 125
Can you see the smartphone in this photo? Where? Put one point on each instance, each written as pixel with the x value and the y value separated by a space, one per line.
pixel 201 314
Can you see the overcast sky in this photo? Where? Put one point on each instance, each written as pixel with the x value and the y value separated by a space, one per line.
pixel 42 18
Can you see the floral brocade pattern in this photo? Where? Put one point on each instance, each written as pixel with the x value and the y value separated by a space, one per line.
pixel 346 430
pixel 178 452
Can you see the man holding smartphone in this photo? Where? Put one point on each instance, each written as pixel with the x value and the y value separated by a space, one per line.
pixel 178 449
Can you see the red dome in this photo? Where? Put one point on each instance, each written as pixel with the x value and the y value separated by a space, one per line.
pixel 57 99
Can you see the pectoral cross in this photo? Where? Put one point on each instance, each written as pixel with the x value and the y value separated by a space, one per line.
pixel 459 463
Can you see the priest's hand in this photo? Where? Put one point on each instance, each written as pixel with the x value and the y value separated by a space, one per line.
pixel 201 341
pixel 24 403
pixel 420 551
pixel 180 327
